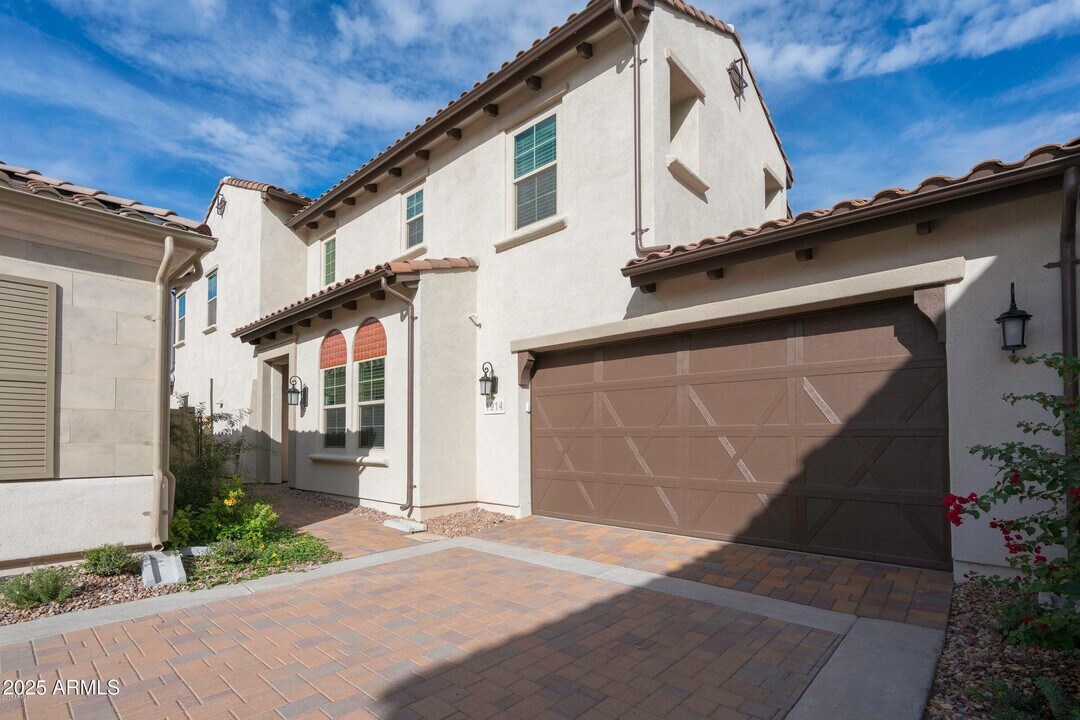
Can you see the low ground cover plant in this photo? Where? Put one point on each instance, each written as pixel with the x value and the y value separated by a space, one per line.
pixel 38 587
pixel 1007 703
pixel 1043 545
pixel 110 559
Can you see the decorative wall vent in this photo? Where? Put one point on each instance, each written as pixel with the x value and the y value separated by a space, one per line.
pixel 737 74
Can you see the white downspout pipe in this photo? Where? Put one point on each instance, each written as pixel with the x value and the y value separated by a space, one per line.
pixel 161 448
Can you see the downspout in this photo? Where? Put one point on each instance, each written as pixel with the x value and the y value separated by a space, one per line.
pixel 164 482
pixel 1067 266
pixel 408 393
pixel 160 378
pixel 639 231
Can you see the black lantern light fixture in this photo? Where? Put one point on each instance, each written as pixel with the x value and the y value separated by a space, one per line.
pixel 489 384
pixel 297 393
pixel 1013 324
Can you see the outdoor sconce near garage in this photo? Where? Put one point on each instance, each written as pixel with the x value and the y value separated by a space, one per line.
pixel 1013 324
pixel 489 384
pixel 297 395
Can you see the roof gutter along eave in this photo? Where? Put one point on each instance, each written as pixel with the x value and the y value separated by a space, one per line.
pixel 687 263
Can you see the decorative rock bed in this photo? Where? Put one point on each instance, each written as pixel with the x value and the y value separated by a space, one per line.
pixel 975 652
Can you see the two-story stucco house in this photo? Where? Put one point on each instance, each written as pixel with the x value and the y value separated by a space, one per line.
pixel 501 310
pixel 85 285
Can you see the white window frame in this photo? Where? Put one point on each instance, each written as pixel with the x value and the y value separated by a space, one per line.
pixel 556 221
pixel 324 243
pixel 212 302
pixel 405 194
pixel 360 404
pixel 181 319
pixel 344 406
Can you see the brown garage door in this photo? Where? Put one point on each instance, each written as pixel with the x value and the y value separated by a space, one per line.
pixel 825 432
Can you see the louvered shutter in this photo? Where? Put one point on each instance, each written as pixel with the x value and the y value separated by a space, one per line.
pixel 27 377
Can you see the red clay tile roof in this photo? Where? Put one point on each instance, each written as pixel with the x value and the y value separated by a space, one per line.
pixel 390 268
pixel 266 189
pixel 925 192
pixel 509 66
pixel 31 181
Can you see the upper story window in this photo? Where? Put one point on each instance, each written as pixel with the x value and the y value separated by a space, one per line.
pixel 329 260
pixel 534 173
pixel 369 355
pixel 211 299
pixel 333 356
pixel 414 218
pixel 181 317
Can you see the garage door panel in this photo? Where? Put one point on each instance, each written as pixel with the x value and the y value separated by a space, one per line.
pixel 558 412
pixel 749 347
pixel 566 498
pixel 637 408
pixel 876 530
pixel 747 402
pixel 642 505
pixel 747 517
pixel 572 367
pixel 826 432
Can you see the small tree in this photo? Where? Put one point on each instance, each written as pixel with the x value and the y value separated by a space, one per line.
pixel 1043 546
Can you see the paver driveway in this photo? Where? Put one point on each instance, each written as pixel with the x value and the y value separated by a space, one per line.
pixel 454 633
pixel 866 589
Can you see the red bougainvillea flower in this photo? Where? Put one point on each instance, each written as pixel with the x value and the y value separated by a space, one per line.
pixel 948 500
pixel 1040 558
pixel 1075 492
pixel 1043 627
pixel 1028 620
pixel 1014 476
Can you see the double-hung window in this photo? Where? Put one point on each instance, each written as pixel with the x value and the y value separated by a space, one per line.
pixel 181 317
pixel 535 173
pixel 329 261
pixel 332 360
pixel 369 356
pixel 371 395
pixel 414 218
pixel 211 299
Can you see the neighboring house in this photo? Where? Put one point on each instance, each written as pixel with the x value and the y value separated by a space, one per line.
pixel 85 279
pixel 794 384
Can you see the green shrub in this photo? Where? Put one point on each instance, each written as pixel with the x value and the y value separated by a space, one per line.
pixel 234 515
pixel 39 587
pixel 1006 703
pixel 181 530
pixel 207 449
pixel 109 559
pixel 299 548
pixel 233 552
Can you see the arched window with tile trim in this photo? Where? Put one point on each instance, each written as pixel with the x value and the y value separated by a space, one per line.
pixel 333 358
pixel 369 354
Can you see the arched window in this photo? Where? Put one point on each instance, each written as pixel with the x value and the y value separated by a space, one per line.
pixel 369 354
pixel 333 357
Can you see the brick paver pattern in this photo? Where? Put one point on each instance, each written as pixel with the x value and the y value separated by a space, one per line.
pixel 451 635
pixel 351 535
pixel 867 589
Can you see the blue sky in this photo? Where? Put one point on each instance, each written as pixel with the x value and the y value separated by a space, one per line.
pixel 158 100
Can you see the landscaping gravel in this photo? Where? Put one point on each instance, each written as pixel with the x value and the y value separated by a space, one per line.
pixel 975 651
pixel 91 591
pixel 345 507
pixel 465 523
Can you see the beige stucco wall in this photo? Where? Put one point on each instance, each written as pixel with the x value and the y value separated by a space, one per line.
pixel 105 406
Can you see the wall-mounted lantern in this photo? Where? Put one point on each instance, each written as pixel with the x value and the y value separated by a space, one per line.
pixel 1013 324
pixel 297 395
pixel 489 384
pixel 220 207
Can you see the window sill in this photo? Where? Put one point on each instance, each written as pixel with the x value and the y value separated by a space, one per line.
pixel 533 232
pixel 209 329
pixel 178 345
pixel 686 176
pixel 362 460
pixel 413 252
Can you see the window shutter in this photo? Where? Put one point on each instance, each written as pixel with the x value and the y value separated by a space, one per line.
pixel 27 378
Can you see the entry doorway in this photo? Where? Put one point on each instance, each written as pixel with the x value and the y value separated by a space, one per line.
pixel 277 459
